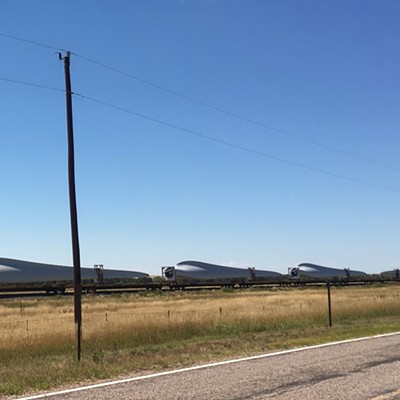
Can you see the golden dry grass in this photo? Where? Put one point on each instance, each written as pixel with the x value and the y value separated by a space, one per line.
pixel 123 334
pixel 49 322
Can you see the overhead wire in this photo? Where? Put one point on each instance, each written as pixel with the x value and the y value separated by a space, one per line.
pixel 198 134
pixel 204 136
pixel 213 107
pixel 233 145
pixel 238 116
pixel 31 42
pixel 36 85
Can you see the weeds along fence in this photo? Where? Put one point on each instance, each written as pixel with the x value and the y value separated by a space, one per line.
pixel 137 326
pixel 158 321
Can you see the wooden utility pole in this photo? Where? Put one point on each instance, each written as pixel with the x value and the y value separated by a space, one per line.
pixel 72 205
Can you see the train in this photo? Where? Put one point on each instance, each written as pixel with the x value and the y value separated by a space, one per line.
pixel 198 271
pixel 19 275
pixel 187 273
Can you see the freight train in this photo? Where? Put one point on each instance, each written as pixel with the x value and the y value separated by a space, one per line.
pixel 26 275
pixel 188 273
pixel 17 275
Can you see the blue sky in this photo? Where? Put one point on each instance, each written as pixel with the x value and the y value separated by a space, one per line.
pixel 321 186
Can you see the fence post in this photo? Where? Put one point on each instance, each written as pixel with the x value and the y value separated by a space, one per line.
pixel 328 286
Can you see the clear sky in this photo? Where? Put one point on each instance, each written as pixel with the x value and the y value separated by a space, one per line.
pixel 289 155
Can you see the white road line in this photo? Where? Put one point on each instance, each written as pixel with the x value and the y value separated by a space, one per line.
pixel 388 396
pixel 197 367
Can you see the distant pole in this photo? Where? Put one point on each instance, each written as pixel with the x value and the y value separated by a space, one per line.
pixel 72 206
pixel 328 286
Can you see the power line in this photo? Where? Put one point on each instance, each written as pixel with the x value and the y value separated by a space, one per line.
pixel 236 146
pixel 206 137
pixel 210 106
pixel 31 42
pixel 238 116
pixel 36 85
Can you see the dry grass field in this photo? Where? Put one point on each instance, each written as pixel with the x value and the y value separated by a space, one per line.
pixel 151 331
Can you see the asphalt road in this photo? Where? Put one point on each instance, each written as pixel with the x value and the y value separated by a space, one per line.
pixel 359 370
